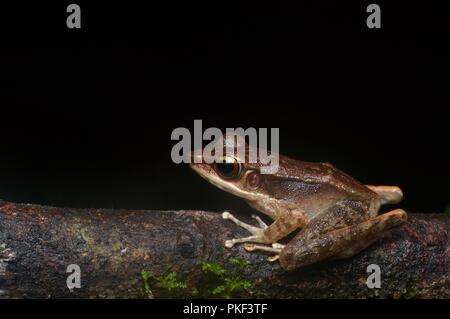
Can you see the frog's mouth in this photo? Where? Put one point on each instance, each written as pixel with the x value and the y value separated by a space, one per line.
pixel 208 173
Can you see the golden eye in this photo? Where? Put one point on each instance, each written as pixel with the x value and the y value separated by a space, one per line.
pixel 229 169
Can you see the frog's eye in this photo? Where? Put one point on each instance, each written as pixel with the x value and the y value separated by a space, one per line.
pixel 229 169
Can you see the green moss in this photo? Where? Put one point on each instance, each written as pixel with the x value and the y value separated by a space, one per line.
pixel 170 286
pixel 412 292
pixel 230 286
pixel 146 277
pixel 213 268
pixel 170 282
pixel 90 243
pixel 216 281
pixel 243 263
pixel 373 294
pixel 194 292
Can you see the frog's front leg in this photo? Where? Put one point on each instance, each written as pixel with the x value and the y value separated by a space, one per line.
pixel 257 232
pixel 283 226
pixel 252 229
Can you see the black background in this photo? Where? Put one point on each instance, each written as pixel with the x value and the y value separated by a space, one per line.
pixel 86 115
pixel 53 308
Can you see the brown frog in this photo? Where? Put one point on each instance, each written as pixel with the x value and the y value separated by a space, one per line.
pixel 337 216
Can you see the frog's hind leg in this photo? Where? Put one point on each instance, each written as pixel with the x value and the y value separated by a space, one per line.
pixel 276 248
pixel 273 249
pixel 387 194
pixel 339 243
pixel 389 219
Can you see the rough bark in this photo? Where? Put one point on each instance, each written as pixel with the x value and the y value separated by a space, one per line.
pixel 113 247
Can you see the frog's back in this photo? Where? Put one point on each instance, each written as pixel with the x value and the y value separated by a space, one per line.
pixel 322 175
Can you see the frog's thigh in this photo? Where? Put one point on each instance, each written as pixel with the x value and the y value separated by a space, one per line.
pixel 342 214
pixel 343 242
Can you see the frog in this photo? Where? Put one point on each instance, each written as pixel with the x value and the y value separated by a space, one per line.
pixel 326 213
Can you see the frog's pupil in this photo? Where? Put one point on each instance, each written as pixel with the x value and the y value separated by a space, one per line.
pixel 226 169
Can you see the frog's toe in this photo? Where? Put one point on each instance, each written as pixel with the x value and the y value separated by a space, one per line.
pixel 229 243
pixel 251 239
pixel 226 215
pixel 277 246
pixel 249 247
pixel 256 231
pixel 262 224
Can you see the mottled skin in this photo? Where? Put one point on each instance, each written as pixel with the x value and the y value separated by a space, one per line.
pixel 337 216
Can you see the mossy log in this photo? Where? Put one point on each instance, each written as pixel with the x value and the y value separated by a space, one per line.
pixel 114 247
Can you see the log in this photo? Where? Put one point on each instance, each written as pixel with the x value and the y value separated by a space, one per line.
pixel 165 254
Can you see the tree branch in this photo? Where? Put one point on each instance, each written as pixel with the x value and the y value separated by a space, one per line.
pixel 113 247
